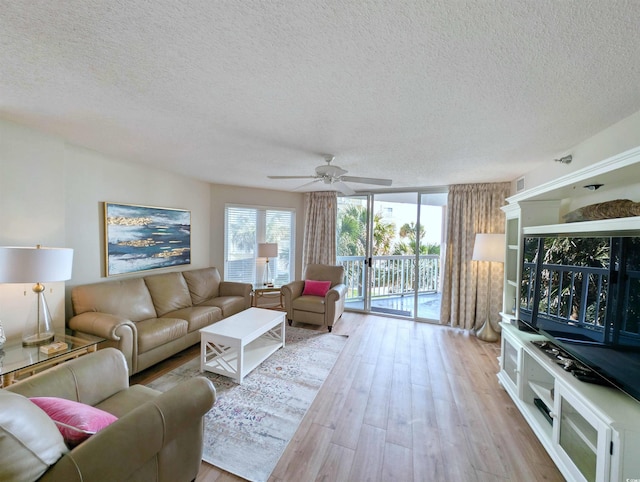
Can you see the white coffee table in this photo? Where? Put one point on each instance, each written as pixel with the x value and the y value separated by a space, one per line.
pixel 236 345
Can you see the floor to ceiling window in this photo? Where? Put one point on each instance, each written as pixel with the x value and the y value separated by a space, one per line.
pixel 391 245
pixel 245 228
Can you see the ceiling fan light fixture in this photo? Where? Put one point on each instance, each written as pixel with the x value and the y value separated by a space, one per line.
pixel 334 175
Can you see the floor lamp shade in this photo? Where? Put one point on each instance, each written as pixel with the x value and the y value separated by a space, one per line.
pixel 489 248
pixel 36 265
pixel 267 250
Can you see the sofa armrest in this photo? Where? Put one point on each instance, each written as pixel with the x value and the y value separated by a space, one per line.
pixel 335 293
pixel 290 292
pixel 119 332
pixel 293 289
pixel 334 303
pixel 233 288
pixel 124 447
pixel 99 324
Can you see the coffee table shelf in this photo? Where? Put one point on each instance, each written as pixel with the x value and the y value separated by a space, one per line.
pixel 238 344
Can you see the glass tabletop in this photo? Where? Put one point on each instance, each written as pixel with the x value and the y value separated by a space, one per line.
pixel 14 356
pixel 260 286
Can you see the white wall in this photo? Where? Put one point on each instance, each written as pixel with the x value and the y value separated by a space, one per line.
pixel 222 194
pixel 93 179
pixel 51 193
pixel 32 211
pixel 620 137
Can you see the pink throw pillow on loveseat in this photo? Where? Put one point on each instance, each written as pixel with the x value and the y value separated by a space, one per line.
pixel 316 288
pixel 76 421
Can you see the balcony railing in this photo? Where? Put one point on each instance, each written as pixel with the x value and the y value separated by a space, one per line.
pixel 391 275
pixel 569 294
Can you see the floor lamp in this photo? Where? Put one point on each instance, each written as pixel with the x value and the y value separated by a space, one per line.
pixel 267 250
pixel 36 265
pixel 488 248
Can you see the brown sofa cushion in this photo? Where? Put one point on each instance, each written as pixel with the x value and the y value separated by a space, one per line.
pixel 203 284
pixel 169 292
pixel 230 305
pixel 321 272
pixel 158 331
pixel 198 316
pixel 29 440
pixel 314 304
pixel 128 298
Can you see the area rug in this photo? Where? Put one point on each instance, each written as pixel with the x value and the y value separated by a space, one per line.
pixel 251 424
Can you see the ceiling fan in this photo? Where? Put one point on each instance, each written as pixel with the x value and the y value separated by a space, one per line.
pixel 334 175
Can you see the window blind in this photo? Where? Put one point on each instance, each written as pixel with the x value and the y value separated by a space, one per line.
pixel 245 227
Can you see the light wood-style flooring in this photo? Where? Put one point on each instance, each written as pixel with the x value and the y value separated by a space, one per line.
pixel 405 401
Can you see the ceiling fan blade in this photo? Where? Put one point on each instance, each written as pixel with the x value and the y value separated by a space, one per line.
pixel 291 177
pixel 307 184
pixel 367 180
pixel 343 188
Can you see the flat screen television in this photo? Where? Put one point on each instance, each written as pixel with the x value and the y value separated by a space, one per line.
pixel 583 293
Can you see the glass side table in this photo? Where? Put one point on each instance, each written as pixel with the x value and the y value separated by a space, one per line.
pixel 265 291
pixel 18 362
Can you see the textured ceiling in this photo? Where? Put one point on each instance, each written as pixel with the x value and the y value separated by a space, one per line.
pixel 427 93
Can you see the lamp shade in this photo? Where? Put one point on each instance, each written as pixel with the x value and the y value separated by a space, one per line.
pixel 267 250
pixel 31 265
pixel 489 247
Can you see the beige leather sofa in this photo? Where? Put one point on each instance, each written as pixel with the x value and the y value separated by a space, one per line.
pixel 157 437
pixel 152 318
pixel 316 310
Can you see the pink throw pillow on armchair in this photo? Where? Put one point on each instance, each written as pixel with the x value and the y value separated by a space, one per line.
pixel 76 421
pixel 316 288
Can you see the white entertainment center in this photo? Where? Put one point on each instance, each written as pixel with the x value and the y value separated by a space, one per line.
pixel 591 432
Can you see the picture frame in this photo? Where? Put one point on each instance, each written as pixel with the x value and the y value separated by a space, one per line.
pixel 142 238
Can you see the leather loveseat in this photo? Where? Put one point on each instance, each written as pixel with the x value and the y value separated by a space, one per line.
pixel 156 437
pixel 154 317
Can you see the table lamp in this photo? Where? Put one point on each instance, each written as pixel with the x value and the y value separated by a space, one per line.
pixel 36 265
pixel 267 250
pixel 488 248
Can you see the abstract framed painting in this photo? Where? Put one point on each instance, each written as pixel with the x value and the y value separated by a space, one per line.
pixel 140 238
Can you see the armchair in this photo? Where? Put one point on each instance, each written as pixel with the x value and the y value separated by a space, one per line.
pixel 316 310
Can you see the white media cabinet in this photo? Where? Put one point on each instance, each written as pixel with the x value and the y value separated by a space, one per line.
pixel 591 432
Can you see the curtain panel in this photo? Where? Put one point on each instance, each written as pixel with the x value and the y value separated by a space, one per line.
pixel 471 209
pixel 321 212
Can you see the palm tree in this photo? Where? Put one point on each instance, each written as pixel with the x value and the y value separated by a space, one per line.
pixel 383 235
pixel 407 243
pixel 352 232
pixel 428 269
pixel 352 238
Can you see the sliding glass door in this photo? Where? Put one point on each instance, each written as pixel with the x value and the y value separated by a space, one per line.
pixel 390 245
pixel 393 265
pixel 353 247
pixel 432 215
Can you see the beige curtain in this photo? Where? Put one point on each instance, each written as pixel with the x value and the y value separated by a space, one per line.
pixel 321 211
pixel 471 209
